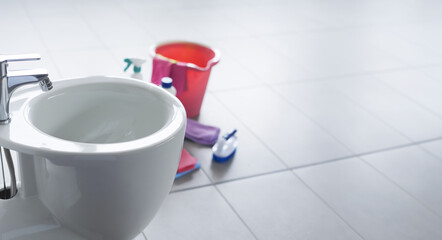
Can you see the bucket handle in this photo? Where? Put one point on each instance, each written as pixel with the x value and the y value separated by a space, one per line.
pixel 212 62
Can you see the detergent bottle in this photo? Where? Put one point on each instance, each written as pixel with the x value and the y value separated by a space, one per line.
pixel 166 83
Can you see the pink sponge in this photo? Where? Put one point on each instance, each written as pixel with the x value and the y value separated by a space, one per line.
pixel 187 162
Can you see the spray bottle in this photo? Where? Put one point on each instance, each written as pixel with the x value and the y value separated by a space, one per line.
pixel 137 62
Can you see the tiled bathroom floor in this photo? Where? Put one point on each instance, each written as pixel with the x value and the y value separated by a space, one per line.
pixel 338 106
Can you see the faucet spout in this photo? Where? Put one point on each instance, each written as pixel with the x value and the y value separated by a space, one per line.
pixel 23 77
pixel 11 80
pixel 45 84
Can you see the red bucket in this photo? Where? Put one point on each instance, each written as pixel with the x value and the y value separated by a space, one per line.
pixel 198 61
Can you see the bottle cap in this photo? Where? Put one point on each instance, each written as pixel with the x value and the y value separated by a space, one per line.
pixel 166 82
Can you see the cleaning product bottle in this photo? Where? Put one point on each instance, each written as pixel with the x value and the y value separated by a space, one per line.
pixel 137 62
pixel 166 83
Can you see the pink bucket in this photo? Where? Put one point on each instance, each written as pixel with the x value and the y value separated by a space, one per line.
pixel 198 61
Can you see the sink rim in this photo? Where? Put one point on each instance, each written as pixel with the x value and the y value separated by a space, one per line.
pixel 21 135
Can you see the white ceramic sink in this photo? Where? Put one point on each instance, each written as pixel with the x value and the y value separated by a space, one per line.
pixel 100 113
pixel 100 153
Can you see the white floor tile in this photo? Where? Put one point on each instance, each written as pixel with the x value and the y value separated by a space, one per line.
pixel 373 206
pixel 113 27
pixel 213 24
pixel 22 38
pixel 416 171
pixel 230 74
pixel 86 63
pixel 264 43
pixel 252 156
pixel 68 33
pixel 152 11
pixel 171 30
pixel 217 3
pixel 196 214
pixel 264 62
pixel 401 48
pixel 272 19
pixel 195 179
pixel 333 53
pixel 434 148
pixel 434 72
pixel 343 119
pixel 396 110
pixel 44 8
pixel 422 89
pixel 279 206
pixel 426 34
pixel 290 135
pixel 369 13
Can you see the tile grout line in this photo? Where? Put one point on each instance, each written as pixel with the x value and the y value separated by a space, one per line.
pixel 407 96
pixel 135 19
pixel 421 70
pixel 371 113
pixel 324 78
pixel 296 108
pixel 328 205
pixel 424 205
pixel 236 213
pixel 415 43
pixel 40 36
pixel 252 132
pixel 355 103
pixel 232 180
pixel 358 155
pixel 429 152
pixel 94 32
pixel 411 141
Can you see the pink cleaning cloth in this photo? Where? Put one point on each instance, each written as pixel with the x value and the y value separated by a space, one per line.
pixel 187 162
pixel 200 133
pixel 160 68
pixel 165 68
pixel 178 73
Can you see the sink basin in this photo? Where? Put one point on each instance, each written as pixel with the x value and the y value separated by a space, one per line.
pixel 100 153
pixel 91 115
pixel 97 113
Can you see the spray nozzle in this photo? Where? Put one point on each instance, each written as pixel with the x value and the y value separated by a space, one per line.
pixel 137 62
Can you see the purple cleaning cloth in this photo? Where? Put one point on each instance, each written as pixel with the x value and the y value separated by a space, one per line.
pixel 200 133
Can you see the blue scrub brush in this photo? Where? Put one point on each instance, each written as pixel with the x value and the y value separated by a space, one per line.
pixel 225 147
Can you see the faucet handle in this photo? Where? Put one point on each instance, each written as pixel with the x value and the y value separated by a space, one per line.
pixel 19 57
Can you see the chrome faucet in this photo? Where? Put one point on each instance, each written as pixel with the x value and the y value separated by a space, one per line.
pixel 11 80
